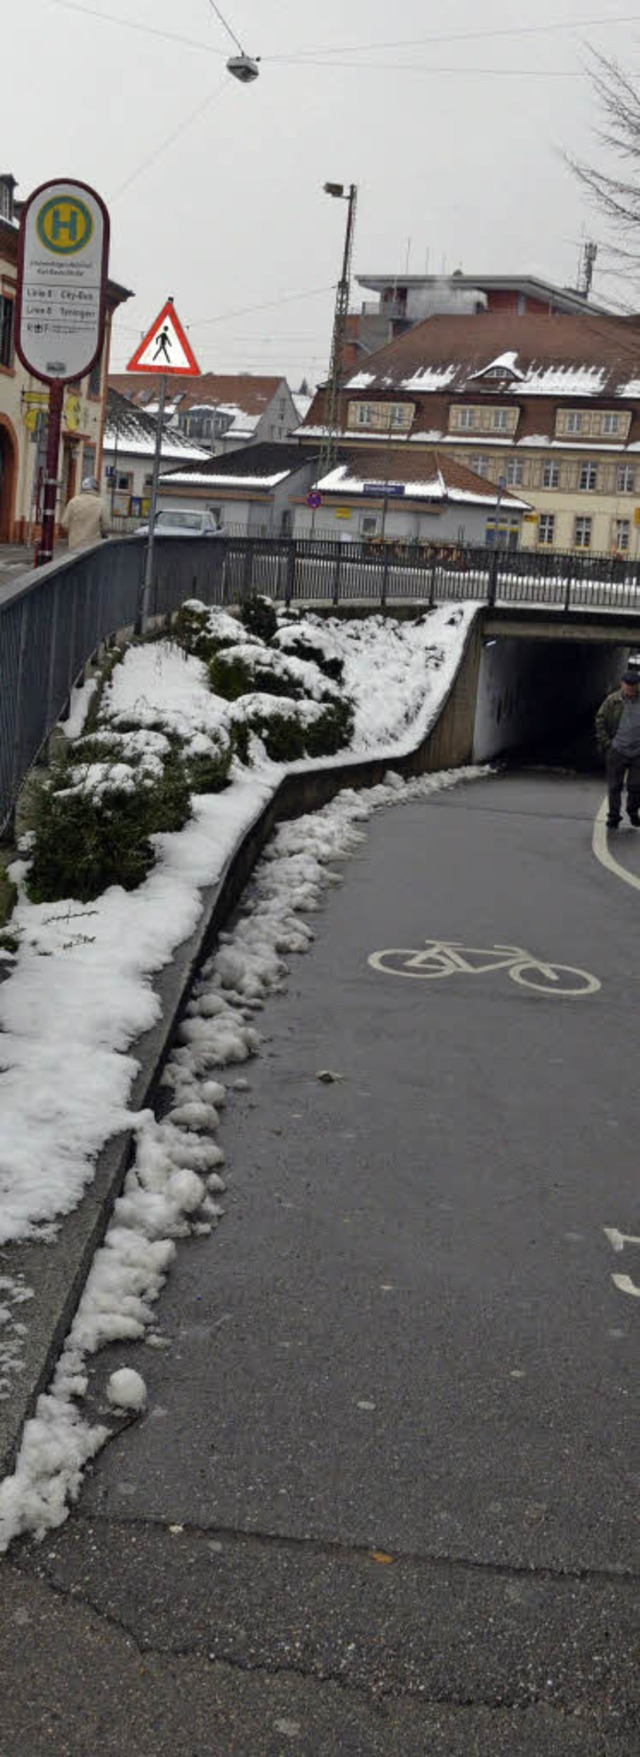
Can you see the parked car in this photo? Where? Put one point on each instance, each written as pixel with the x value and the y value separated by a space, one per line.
pixel 174 522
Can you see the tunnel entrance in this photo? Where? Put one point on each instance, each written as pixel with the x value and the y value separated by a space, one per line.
pixel 537 701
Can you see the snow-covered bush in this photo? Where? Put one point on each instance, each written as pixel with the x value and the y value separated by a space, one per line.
pixel 92 826
pixel 199 634
pixel 259 617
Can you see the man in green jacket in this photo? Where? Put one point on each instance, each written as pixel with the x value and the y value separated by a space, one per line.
pixel 618 735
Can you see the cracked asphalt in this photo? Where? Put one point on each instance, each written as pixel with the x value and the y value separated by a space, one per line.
pixel 383 1499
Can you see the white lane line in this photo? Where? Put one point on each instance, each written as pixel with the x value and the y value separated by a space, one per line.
pixel 602 851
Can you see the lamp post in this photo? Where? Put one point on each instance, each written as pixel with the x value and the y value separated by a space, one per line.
pixel 329 447
pixel 493 567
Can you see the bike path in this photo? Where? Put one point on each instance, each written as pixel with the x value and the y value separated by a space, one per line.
pixel 393 1428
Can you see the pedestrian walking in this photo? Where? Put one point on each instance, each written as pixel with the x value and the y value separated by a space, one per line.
pixel 84 517
pixel 618 735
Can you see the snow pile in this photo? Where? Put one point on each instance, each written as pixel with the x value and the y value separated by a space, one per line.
pixel 127 1390
pixel 172 1185
pixel 14 1293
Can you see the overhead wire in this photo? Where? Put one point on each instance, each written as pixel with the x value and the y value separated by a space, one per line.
pixel 267 305
pixel 169 139
pixel 528 30
pixel 312 57
pixel 148 30
pixel 227 26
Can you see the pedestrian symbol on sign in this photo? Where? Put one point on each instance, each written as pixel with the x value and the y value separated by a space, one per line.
pixel 163 345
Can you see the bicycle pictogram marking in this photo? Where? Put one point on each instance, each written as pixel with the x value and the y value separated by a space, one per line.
pixel 442 958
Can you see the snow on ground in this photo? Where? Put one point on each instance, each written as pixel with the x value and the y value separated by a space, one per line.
pixel 80 993
pixel 398 673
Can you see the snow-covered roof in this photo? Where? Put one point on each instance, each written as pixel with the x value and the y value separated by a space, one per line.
pixel 434 476
pixel 131 432
pixel 263 465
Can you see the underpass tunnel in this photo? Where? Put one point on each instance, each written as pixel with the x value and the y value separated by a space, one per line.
pixel 537 700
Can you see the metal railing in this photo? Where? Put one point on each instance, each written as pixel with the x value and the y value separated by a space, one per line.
pixel 52 621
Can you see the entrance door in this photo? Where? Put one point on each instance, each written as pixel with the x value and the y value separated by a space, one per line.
pixel 7 484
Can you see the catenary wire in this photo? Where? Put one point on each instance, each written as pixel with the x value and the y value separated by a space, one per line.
pixel 169 139
pixel 227 27
pixel 148 30
pixel 528 30
pixel 311 57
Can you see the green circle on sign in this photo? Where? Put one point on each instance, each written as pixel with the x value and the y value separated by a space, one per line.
pixel 64 225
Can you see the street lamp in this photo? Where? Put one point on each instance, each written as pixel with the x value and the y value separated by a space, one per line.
pixel 348 193
pixel 493 568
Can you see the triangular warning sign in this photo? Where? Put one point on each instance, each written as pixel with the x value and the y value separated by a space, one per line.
pixel 165 348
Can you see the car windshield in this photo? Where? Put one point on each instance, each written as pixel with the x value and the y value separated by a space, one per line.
pixel 184 521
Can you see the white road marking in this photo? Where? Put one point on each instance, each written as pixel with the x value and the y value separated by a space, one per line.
pixel 602 851
pixel 626 1285
pixel 442 958
pixel 619 1239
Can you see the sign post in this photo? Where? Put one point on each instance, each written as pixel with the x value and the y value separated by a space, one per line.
pixel 62 277
pixel 314 500
pixel 163 350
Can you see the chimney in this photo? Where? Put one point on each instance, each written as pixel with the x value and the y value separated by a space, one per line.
pixel 7 203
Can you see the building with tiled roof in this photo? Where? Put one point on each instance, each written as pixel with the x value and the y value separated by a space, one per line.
pixel 416 496
pixel 405 299
pixel 409 496
pixel 24 402
pixel 128 453
pixel 221 411
pixel 252 492
pixel 547 402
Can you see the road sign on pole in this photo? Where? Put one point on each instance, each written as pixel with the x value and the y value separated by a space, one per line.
pixel 163 350
pixel 62 278
pixel 165 347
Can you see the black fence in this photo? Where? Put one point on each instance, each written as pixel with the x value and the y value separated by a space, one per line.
pixel 320 572
pixel 53 620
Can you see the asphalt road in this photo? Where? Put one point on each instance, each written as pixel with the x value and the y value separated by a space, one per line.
pixel 383 1499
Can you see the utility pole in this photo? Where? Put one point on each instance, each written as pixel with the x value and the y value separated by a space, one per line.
pixel 329 446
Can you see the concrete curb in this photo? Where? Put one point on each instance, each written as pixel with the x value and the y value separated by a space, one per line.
pixel 58 1272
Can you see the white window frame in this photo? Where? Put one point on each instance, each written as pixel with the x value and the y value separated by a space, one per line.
pixel 626 479
pixel 466 419
pixel 551 468
pixel 546 529
pixel 369 524
pixel 588 478
pixel 582 531
pixel 623 535
pixel 513 473
pixel 573 421
pixel 611 423
pixel 479 464
pixel 364 415
pixel 501 420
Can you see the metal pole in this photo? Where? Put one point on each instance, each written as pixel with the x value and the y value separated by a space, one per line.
pixel 114 476
pixel 493 564
pixel 45 547
pixel 329 443
pixel 148 560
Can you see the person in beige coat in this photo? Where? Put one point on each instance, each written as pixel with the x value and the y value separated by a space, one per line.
pixel 84 517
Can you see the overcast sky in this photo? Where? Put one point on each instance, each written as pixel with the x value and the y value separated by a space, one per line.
pixel 452 119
